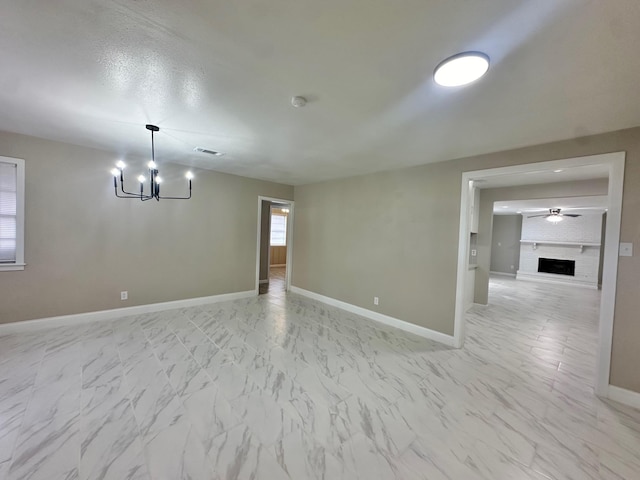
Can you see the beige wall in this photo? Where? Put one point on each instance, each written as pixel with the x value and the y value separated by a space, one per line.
pixel 265 229
pixel 83 246
pixel 505 232
pixel 522 192
pixel 395 235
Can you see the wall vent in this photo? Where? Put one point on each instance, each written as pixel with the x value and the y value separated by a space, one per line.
pixel 207 151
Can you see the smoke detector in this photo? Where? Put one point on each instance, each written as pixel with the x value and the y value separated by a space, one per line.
pixel 298 101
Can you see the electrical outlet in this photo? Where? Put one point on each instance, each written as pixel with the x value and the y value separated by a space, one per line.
pixel 376 300
pixel 124 295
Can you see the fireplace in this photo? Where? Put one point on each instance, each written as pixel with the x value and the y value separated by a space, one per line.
pixel 555 265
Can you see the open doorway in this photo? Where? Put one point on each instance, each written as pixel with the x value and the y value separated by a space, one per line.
pixel 543 173
pixel 274 250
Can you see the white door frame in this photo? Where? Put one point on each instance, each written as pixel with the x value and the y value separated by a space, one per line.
pixel 615 163
pixel 288 268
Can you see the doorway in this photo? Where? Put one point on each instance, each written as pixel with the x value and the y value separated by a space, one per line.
pixel 613 164
pixel 274 246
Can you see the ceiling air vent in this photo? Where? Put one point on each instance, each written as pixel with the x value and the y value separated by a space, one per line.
pixel 210 152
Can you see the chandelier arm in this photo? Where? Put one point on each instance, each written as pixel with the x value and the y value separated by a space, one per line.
pixel 131 194
pixel 178 198
pixel 140 195
pixel 127 196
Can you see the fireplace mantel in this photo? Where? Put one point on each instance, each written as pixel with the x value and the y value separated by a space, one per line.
pixel 580 245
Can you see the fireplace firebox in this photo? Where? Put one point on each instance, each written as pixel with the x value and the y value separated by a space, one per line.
pixel 556 265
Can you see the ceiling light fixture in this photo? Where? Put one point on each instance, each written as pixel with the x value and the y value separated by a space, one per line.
pixel 154 177
pixel 461 69
pixel 554 219
pixel 558 171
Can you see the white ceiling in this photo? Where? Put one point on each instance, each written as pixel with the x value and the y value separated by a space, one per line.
pixel 219 74
pixel 579 205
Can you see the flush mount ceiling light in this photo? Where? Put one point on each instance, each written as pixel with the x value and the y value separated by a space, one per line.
pixel 154 178
pixel 461 69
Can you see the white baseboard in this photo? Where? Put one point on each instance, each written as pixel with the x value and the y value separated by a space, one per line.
pixel 625 396
pixel 378 317
pixel 264 281
pixel 502 274
pixel 550 278
pixel 80 318
pixel 278 265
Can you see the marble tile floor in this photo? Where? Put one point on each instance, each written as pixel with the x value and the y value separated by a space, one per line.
pixel 282 387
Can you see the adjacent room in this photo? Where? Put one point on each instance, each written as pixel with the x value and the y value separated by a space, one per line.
pixel 319 240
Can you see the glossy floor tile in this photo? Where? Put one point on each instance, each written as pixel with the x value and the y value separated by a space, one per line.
pixel 282 387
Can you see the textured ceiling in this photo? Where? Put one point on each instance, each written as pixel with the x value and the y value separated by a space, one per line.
pixel 219 74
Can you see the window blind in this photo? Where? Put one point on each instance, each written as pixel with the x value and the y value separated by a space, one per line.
pixel 278 230
pixel 8 212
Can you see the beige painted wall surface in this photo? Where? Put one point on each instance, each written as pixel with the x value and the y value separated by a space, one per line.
pixel 83 246
pixel 265 229
pixel 522 192
pixel 506 232
pixel 397 234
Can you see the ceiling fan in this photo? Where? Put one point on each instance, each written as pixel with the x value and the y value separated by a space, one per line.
pixel 555 216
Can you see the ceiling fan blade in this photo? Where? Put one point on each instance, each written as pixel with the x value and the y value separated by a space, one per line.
pixel 532 216
pixel 570 215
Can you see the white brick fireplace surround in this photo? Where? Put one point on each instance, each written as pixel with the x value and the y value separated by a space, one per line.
pixel 577 239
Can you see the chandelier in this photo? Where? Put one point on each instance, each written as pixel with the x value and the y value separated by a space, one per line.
pixel 154 178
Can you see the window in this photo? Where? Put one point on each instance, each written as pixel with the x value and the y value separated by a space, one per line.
pixel 11 214
pixel 278 230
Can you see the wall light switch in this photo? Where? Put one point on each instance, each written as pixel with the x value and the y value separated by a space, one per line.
pixel 626 250
pixel 474 252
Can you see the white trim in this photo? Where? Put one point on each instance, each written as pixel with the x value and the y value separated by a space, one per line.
pixel 279 265
pixel 622 395
pixel 572 244
pixel 610 272
pixel 12 267
pixel 80 318
pixel 378 317
pixel 463 260
pixel 615 163
pixel 20 192
pixel 289 264
pixel 503 274
pixel 554 278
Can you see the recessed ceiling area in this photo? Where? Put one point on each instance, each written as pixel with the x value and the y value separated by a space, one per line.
pixel 220 75
pixel 580 205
